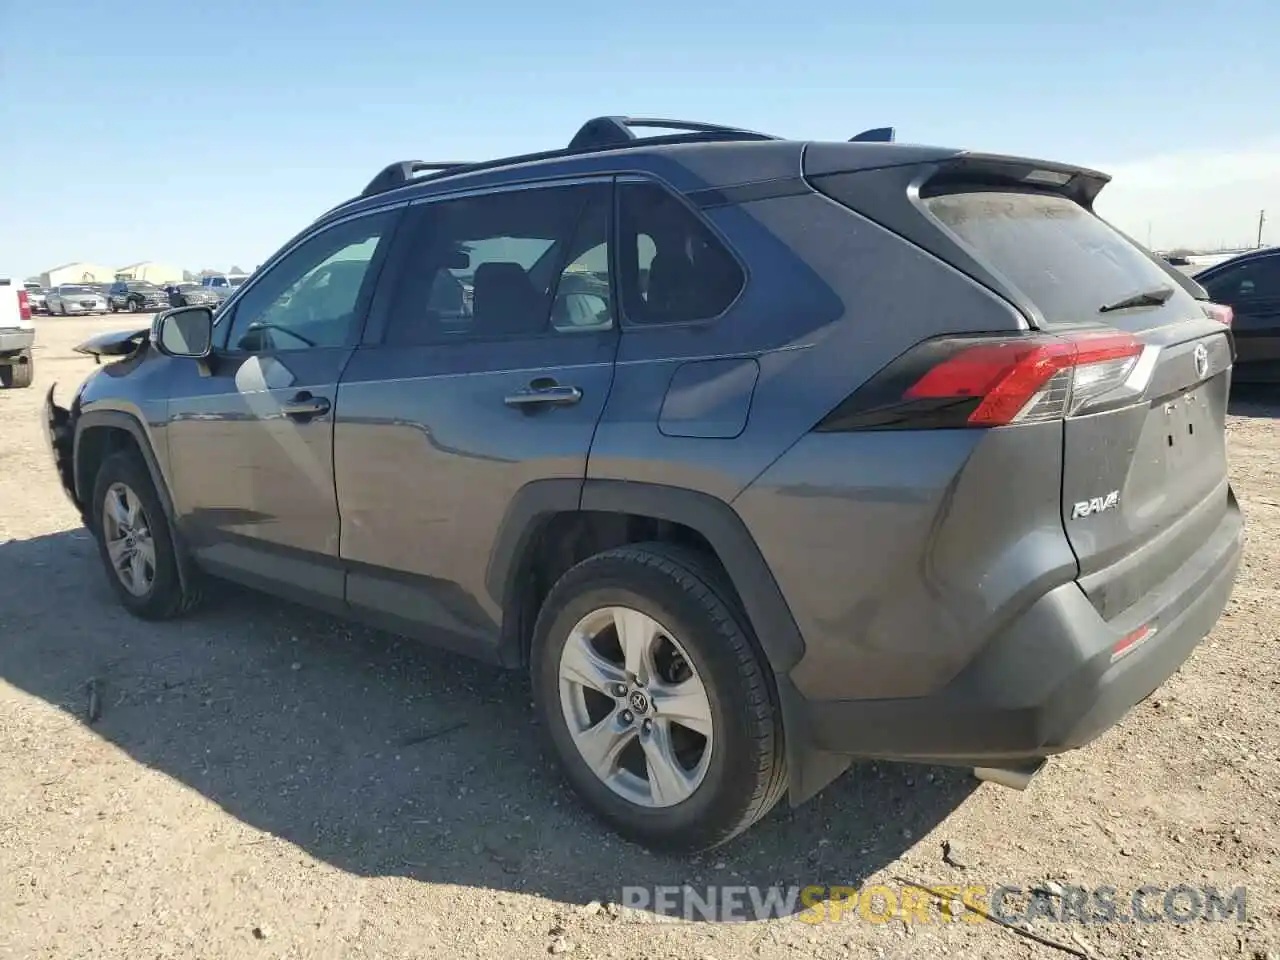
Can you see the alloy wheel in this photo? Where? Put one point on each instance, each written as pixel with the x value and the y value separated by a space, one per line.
pixel 128 538
pixel 636 709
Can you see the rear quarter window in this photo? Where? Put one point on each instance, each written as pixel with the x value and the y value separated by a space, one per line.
pixel 1061 257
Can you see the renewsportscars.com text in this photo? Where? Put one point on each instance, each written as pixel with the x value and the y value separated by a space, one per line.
pixel 939 903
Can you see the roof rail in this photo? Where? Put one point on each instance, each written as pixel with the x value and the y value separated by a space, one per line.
pixel 601 132
pixel 874 135
pixel 400 173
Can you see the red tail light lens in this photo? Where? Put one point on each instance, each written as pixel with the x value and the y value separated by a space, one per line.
pixel 992 382
pixel 1019 381
pixel 24 305
pixel 1220 312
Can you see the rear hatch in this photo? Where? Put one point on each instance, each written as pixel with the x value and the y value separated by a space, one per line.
pixel 1144 475
pixel 1144 456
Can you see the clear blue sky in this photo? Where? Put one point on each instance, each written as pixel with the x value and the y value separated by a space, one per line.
pixel 205 134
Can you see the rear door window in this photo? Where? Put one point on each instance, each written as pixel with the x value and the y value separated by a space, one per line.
pixel 1063 258
pixel 511 264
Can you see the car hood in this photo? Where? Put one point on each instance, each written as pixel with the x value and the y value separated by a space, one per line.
pixel 118 344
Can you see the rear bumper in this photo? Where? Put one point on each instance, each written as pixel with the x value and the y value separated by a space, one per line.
pixel 1048 682
pixel 11 341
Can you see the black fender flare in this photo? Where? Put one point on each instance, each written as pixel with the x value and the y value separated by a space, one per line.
pixel 128 422
pixel 713 518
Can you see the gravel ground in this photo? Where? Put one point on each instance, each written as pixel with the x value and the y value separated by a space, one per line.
pixel 264 781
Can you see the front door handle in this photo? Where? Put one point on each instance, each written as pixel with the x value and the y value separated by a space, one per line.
pixel 553 395
pixel 304 406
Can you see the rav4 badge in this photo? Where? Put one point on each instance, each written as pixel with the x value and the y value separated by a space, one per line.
pixel 1087 508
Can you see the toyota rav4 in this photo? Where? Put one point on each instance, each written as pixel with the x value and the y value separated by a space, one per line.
pixel 758 455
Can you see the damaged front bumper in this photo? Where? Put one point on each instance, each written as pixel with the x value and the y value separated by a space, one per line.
pixel 59 430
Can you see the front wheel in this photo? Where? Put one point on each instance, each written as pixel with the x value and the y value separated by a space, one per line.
pixel 655 700
pixel 133 306
pixel 134 540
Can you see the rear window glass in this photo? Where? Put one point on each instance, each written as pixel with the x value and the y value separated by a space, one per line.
pixel 1060 256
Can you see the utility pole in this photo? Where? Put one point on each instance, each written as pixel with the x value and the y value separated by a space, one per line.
pixel 1148 234
pixel 1262 218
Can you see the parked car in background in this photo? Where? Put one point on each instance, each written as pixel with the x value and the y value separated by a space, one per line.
pixel 190 294
pixel 743 508
pixel 37 297
pixel 1250 285
pixel 72 298
pixel 224 286
pixel 136 296
pixel 17 334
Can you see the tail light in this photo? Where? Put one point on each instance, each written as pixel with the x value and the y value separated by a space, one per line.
pixel 24 305
pixel 996 381
pixel 1220 312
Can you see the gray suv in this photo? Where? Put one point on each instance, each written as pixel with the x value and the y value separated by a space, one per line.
pixel 758 455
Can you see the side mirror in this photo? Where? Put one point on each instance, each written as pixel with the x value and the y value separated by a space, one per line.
pixel 184 332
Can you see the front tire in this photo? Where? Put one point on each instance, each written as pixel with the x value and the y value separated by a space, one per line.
pixel 655 699
pixel 18 374
pixel 133 306
pixel 134 540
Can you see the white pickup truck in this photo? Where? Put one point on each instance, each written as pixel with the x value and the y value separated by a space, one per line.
pixel 17 334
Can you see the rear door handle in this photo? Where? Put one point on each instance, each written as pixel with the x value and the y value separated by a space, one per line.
pixel 535 396
pixel 304 406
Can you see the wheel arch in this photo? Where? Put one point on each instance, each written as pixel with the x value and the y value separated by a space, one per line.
pixel 99 434
pixel 551 506
pixel 614 512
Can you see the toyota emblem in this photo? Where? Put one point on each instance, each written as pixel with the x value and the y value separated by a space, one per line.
pixel 1201 357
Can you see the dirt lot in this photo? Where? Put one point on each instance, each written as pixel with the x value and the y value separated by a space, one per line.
pixel 267 782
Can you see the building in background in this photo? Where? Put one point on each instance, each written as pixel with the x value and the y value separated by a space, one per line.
pixel 149 270
pixel 77 272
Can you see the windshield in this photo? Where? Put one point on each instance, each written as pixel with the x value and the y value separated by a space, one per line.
pixel 75 290
pixel 237 281
pixel 142 287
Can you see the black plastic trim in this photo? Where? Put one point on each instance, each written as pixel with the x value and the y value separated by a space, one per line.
pixel 533 505
pixel 717 521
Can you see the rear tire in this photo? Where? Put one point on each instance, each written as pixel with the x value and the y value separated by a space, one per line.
pixel 17 374
pixel 137 527
pixel 661 780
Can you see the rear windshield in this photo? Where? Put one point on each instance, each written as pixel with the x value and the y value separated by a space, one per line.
pixel 1059 255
